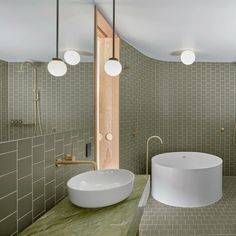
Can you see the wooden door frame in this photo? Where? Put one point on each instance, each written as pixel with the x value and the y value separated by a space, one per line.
pixel 102 29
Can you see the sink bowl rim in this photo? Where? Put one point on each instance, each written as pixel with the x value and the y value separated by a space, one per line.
pixel 102 189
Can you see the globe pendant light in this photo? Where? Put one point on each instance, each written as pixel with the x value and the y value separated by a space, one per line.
pixel 188 57
pixel 56 66
pixel 112 66
pixel 72 57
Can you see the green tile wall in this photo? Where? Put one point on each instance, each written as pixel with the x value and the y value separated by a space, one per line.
pixel 66 103
pixel 186 105
pixel 3 100
pixel 30 182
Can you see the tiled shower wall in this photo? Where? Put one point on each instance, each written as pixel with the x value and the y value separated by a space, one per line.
pixel 30 182
pixel 193 108
pixel 3 100
pixel 136 107
pixel 66 103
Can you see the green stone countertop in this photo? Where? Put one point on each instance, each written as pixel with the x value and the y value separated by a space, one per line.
pixel 116 220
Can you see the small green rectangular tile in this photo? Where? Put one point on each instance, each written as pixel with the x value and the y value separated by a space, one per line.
pixel 7 184
pixel 7 205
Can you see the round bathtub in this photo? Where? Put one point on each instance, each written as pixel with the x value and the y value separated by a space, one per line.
pixel 186 179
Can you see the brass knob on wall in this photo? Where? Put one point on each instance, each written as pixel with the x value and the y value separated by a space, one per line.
pixel 108 136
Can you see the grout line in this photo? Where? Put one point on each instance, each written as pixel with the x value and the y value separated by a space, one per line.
pixel 37 145
pixel 53 196
pixel 37 180
pixel 22 158
pixel 46 167
pixel 62 183
pixel 55 169
pixel 13 233
pixel 24 215
pixel 38 197
pixel 57 201
pixel 59 155
pixel 17 193
pixel 14 212
pixel 58 139
pixel 49 149
pixel 44 211
pixel 8 194
pixel 32 183
pixel 38 162
pixel 49 182
pixel 44 175
pixel 4 153
pixel 68 144
pixel 25 195
pixel 8 173
pixel 24 177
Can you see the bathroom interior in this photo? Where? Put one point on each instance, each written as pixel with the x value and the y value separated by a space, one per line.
pixel 118 118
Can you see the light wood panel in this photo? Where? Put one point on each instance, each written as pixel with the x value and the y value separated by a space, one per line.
pixel 104 30
pixel 107 98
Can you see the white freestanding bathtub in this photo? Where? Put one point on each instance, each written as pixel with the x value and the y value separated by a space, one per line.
pixel 187 179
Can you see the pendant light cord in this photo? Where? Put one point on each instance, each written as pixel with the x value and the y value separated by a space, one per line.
pixel 57 29
pixel 113 33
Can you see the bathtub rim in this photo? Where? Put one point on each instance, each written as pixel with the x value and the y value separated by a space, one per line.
pixel 186 169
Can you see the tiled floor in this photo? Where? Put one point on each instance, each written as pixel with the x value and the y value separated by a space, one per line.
pixel 218 219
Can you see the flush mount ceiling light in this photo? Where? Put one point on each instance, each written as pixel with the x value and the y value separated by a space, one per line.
pixel 72 57
pixel 112 66
pixel 56 66
pixel 188 57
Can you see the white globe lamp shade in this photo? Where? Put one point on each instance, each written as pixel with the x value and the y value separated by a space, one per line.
pixel 188 57
pixel 72 57
pixel 57 67
pixel 113 67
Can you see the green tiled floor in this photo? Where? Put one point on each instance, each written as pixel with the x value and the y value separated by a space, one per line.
pixel 218 219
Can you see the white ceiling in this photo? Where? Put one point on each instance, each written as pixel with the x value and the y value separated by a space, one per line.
pixel 159 28
pixel 27 28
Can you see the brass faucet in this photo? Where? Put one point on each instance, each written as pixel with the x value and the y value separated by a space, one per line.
pixel 69 159
pixel 78 162
pixel 149 139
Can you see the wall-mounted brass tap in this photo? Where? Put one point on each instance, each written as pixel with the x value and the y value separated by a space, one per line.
pixel 78 162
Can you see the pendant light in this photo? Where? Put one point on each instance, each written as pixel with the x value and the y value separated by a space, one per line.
pixel 56 66
pixel 188 57
pixel 112 66
pixel 72 57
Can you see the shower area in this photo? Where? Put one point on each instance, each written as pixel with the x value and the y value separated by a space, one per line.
pixel 34 103
pixel 20 100
pixel 35 124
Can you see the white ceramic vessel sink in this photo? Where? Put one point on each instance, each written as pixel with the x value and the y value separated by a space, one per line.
pixel 100 188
